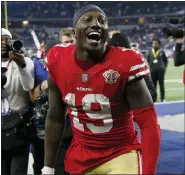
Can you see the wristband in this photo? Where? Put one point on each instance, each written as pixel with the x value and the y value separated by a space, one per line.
pixel 48 170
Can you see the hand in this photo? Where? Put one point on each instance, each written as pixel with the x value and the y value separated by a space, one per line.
pixel 48 170
pixel 180 40
pixel 17 57
pixel 44 85
pixel 4 49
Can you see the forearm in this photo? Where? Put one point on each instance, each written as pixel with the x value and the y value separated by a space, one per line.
pixel 53 135
pixel 150 146
pixel 27 75
pixel 179 56
pixel 150 138
pixel 35 93
pixel 166 62
pixel 151 87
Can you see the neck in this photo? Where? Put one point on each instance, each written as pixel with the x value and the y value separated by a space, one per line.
pixel 86 55
pixel 156 49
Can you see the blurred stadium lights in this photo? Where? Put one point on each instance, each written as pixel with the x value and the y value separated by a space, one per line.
pixel 25 23
pixel 141 20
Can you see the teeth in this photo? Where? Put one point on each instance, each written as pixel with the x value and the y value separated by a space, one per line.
pixel 94 33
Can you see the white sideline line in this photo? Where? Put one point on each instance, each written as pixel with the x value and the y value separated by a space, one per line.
pixel 163 103
pixel 173 81
pixel 174 89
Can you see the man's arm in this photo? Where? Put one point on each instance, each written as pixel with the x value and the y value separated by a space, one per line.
pixel 151 87
pixel 55 123
pixel 35 93
pixel 179 56
pixel 165 59
pixel 141 104
pixel 148 58
pixel 26 72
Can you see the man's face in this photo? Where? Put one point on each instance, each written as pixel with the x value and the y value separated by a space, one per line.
pixel 91 31
pixel 67 39
pixel 155 44
pixel 4 49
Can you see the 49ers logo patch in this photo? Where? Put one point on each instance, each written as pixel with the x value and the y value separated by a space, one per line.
pixel 111 76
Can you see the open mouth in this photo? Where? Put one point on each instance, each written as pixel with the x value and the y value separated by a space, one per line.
pixel 94 37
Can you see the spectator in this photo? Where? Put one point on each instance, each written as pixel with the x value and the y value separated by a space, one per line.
pixel 179 58
pixel 158 64
pixel 135 46
pixel 18 75
pixel 39 97
pixel 66 36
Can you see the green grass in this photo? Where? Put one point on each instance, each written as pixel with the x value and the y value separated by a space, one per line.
pixel 174 90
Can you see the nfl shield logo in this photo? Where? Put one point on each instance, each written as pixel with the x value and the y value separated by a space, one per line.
pixel 84 77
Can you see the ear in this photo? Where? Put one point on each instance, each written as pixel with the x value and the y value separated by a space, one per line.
pixel 74 33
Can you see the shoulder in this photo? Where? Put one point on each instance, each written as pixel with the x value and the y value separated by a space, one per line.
pixel 131 63
pixel 127 57
pixel 59 50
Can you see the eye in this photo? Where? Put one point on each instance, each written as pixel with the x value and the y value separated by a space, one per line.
pixel 86 18
pixel 102 19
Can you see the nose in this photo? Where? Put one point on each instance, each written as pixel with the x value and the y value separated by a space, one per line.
pixel 95 24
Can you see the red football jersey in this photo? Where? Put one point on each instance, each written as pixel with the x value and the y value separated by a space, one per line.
pixel 101 121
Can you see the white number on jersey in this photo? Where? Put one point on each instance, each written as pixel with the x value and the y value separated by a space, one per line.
pixel 104 114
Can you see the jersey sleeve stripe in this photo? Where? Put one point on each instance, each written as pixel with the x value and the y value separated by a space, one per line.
pixel 138 66
pixel 62 45
pixel 139 74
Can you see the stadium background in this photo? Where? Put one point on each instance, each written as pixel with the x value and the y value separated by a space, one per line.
pixel 141 21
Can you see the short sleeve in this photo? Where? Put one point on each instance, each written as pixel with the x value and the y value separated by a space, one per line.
pixel 138 67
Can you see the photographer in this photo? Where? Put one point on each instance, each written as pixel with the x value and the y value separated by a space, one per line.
pixel 179 56
pixel 39 97
pixel 17 78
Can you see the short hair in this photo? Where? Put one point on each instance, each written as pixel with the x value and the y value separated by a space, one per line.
pixel 155 39
pixel 119 40
pixel 66 31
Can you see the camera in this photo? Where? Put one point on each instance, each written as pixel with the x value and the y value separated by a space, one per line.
pixel 15 45
pixel 175 33
pixel 41 109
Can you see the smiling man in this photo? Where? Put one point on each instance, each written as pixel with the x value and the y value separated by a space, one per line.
pixel 103 88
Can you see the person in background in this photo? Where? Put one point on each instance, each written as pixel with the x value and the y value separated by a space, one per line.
pixel 18 76
pixel 39 97
pixel 66 36
pixel 121 40
pixel 179 56
pixel 42 50
pixel 158 63
pixel 134 46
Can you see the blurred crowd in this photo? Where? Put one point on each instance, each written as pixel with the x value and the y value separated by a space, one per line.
pixel 67 9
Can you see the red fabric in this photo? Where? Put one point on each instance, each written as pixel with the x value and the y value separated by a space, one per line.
pixel 100 119
pixel 150 138
pixel 85 65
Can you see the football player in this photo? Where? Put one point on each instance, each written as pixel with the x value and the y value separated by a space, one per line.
pixel 103 88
